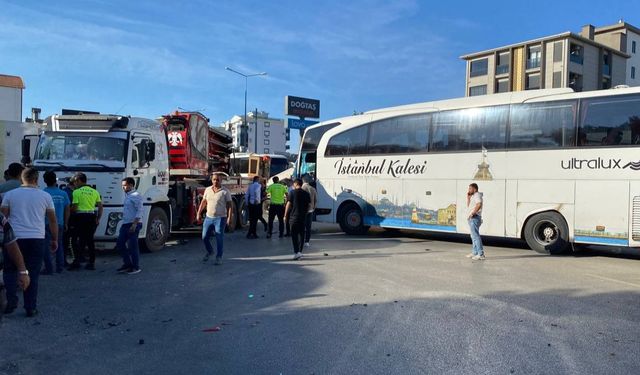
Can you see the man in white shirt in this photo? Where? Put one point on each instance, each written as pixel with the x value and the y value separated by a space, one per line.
pixel 26 208
pixel 254 201
pixel 217 203
pixel 474 211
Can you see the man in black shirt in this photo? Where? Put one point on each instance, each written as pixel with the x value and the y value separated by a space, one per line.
pixel 295 213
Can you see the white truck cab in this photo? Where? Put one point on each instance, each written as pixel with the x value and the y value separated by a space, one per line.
pixel 108 148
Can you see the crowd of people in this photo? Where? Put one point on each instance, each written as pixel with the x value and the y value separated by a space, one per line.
pixel 39 228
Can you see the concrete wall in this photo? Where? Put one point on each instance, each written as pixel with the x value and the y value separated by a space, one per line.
pixel 619 75
pixel 634 60
pixel 10 104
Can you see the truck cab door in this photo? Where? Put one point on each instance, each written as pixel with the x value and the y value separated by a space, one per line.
pixel 140 167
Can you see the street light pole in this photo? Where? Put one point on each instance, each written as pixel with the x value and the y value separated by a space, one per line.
pixel 245 124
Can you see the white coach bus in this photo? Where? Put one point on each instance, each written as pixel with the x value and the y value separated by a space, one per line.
pixel 556 167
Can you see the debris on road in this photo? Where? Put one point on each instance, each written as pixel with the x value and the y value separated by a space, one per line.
pixel 212 329
pixel 141 342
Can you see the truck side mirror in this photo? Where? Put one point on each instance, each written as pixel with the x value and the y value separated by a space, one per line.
pixel 310 157
pixel 151 151
pixel 26 151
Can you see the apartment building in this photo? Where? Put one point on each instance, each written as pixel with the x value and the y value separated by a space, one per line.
pixel 597 58
pixel 269 136
pixel 11 97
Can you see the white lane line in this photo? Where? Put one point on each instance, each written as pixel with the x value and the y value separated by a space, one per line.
pixel 613 280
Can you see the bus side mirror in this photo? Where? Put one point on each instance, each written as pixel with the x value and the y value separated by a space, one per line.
pixel 26 151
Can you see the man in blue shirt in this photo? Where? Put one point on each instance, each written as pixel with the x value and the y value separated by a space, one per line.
pixel 254 200
pixel 130 229
pixel 62 204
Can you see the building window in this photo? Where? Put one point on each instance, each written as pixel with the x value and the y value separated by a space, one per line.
pixel 557 52
pixel 533 81
pixel 479 67
pixel 606 64
pixel 267 124
pixel 606 83
pixel 533 57
pixel 633 72
pixel 478 90
pixel 575 53
pixel 266 150
pixel 502 85
pixel 557 80
pixel 502 63
pixel 267 133
pixel 267 142
pixel 633 46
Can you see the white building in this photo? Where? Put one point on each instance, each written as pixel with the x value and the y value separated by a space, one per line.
pixel 271 134
pixel 11 98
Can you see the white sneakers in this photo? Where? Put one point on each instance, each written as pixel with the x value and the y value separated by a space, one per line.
pixel 297 256
pixel 478 257
pixel 470 255
pixel 307 244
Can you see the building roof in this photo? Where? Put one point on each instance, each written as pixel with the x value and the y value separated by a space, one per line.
pixel 567 34
pixel 11 81
pixel 619 25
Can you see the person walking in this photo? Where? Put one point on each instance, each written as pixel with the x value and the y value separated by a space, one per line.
pixel 313 194
pixel 474 210
pixel 12 261
pixel 263 199
pixel 278 196
pixel 86 200
pixel 287 227
pixel 70 233
pixel 62 205
pixel 26 209
pixel 296 213
pixel 254 200
pixel 130 228
pixel 217 203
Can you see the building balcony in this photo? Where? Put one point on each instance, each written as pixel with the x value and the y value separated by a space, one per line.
pixel 533 63
pixel 502 69
pixel 606 70
pixel 578 59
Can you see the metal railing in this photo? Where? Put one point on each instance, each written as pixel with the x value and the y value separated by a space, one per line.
pixel 533 63
pixel 502 69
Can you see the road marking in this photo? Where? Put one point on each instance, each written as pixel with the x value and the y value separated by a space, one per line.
pixel 614 280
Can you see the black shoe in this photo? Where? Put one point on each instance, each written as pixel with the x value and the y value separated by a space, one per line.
pixel 32 313
pixel 206 257
pixel 287 235
pixel 90 267
pixel 74 266
pixel 123 269
pixel 269 235
pixel 9 309
pixel 280 236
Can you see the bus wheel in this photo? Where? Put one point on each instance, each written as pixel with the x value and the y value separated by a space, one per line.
pixel 157 230
pixel 232 220
pixel 351 220
pixel 547 233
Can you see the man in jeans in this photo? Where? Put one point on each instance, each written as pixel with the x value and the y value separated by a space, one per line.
pixel 12 257
pixel 278 195
pixel 313 194
pixel 254 200
pixel 61 203
pixel 474 207
pixel 26 209
pixel 296 213
pixel 130 228
pixel 217 202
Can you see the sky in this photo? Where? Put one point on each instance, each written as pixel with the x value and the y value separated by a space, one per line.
pixel 148 58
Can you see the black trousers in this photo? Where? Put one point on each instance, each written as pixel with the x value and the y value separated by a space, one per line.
pixel 276 210
pixel 297 235
pixel 86 228
pixel 32 250
pixel 255 211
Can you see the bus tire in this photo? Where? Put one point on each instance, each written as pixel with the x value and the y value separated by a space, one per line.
pixel 157 230
pixel 547 233
pixel 351 220
pixel 233 219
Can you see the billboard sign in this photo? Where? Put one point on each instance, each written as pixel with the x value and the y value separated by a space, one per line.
pixel 301 107
pixel 293 123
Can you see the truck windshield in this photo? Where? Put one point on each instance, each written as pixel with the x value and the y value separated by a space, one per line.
pixel 82 148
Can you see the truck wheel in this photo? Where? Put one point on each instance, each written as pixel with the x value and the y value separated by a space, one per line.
pixel 233 219
pixel 351 220
pixel 243 214
pixel 157 230
pixel 547 233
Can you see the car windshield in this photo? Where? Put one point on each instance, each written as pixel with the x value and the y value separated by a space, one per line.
pixel 81 148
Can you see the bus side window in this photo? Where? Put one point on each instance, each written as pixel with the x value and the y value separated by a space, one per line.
pixel 611 121
pixel 350 142
pixel 543 125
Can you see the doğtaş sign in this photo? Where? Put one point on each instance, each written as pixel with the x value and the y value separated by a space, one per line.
pixel 302 107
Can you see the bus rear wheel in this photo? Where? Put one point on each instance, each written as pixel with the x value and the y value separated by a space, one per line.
pixel 547 233
pixel 351 220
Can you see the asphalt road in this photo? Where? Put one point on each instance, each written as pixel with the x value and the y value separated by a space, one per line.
pixel 376 304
